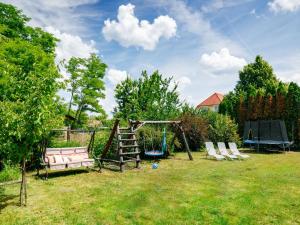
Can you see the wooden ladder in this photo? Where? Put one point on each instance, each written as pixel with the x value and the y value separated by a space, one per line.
pixel 128 148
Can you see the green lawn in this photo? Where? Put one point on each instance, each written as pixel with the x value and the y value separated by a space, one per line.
pixel 262 190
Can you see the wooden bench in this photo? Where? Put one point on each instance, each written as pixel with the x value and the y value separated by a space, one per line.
pixel 64 158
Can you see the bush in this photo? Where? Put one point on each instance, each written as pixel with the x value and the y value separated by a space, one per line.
pixel 195 129
pixel 9 173
pixel 100 141
pixel 221 127
pixel 63 144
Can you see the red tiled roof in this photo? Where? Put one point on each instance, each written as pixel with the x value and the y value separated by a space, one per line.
pixel 214 99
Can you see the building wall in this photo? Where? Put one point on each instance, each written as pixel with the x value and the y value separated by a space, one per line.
pixel 214 108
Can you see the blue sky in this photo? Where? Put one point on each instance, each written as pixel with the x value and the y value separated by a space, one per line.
pixel 202 44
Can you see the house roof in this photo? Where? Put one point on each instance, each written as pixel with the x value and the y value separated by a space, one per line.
pixel 214 99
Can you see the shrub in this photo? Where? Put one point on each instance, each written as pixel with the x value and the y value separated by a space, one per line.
pixel 63 144
pixel 100 141
pixel 221 127
pixel 195 129
pixel 9 173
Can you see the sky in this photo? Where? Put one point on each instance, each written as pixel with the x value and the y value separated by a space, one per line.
pixel 202 44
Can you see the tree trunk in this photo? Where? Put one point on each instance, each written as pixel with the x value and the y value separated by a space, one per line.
pixel 77 115
pixel 70 103
pixel 23 188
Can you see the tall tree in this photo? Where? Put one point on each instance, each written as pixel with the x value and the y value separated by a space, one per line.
pixel 257 79
pixel 149 97
pixel 255 76
pixel 293 112
pixel 28 87
pixel 86 85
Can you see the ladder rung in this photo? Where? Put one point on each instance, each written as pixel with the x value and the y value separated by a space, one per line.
pixel 132 160
pixel 129 146
pixel 129 153
pixel 124 128
pixel 127 133
pixel 124 139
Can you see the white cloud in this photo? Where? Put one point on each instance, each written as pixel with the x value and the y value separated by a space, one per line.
pixel 129 31
pixel 68 3
pixel 222 61
pixel 195 22
pixel 62 15
pixel 290 76
pixel 57 17
pixel 284 5
pixel 215 5
pixel 116 76
pixel 109 103
pixel 183 82
pixel 71 45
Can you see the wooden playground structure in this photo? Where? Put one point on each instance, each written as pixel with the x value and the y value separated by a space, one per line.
pixel 127 149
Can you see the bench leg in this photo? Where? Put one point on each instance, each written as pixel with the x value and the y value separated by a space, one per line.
pixel 46 174
pixel 100 166
pixel 122 167
pixel 137 164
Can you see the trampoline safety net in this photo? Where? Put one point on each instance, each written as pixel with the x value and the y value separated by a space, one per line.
pixel 265 132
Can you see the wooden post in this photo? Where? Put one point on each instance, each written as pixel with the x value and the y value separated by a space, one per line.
pixel 91 144
pixel 69 133
pixel 186 143
pixel 110 140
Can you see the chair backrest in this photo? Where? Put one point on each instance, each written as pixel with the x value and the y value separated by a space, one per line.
pixel 210 148
pixel 233 147
pixel 222 148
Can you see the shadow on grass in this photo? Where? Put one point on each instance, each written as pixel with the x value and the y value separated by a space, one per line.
pixel 264 151
pixel 62 173
pixel 6 200
pixel 116 168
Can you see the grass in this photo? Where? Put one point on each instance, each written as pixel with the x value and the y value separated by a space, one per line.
pixel 10 173
pixel 262 190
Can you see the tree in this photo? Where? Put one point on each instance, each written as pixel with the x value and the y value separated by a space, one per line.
pixel 229 104
pixel 13 25
pixel 86 85
pixel 150 97
pixel 257 80
pixel 293 111
pixel 28 87
pixel 255 76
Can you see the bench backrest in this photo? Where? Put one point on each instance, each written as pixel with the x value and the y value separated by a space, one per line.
pixel 66 152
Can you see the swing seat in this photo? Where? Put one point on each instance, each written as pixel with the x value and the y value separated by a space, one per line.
pixel 154 153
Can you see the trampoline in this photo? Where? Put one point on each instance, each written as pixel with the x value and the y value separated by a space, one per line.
pixel 266 132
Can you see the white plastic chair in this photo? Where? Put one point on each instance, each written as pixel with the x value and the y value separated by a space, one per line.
pixel 233 148
pixel 223 151
pixel 211 151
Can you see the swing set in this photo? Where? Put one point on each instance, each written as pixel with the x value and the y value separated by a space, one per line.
pixel 128 149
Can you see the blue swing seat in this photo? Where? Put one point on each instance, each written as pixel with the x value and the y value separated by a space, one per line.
pixel 161 152
pixel 154 153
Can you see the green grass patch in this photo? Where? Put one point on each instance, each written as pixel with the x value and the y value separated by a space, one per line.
pixel 9 173
pixel 262 190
